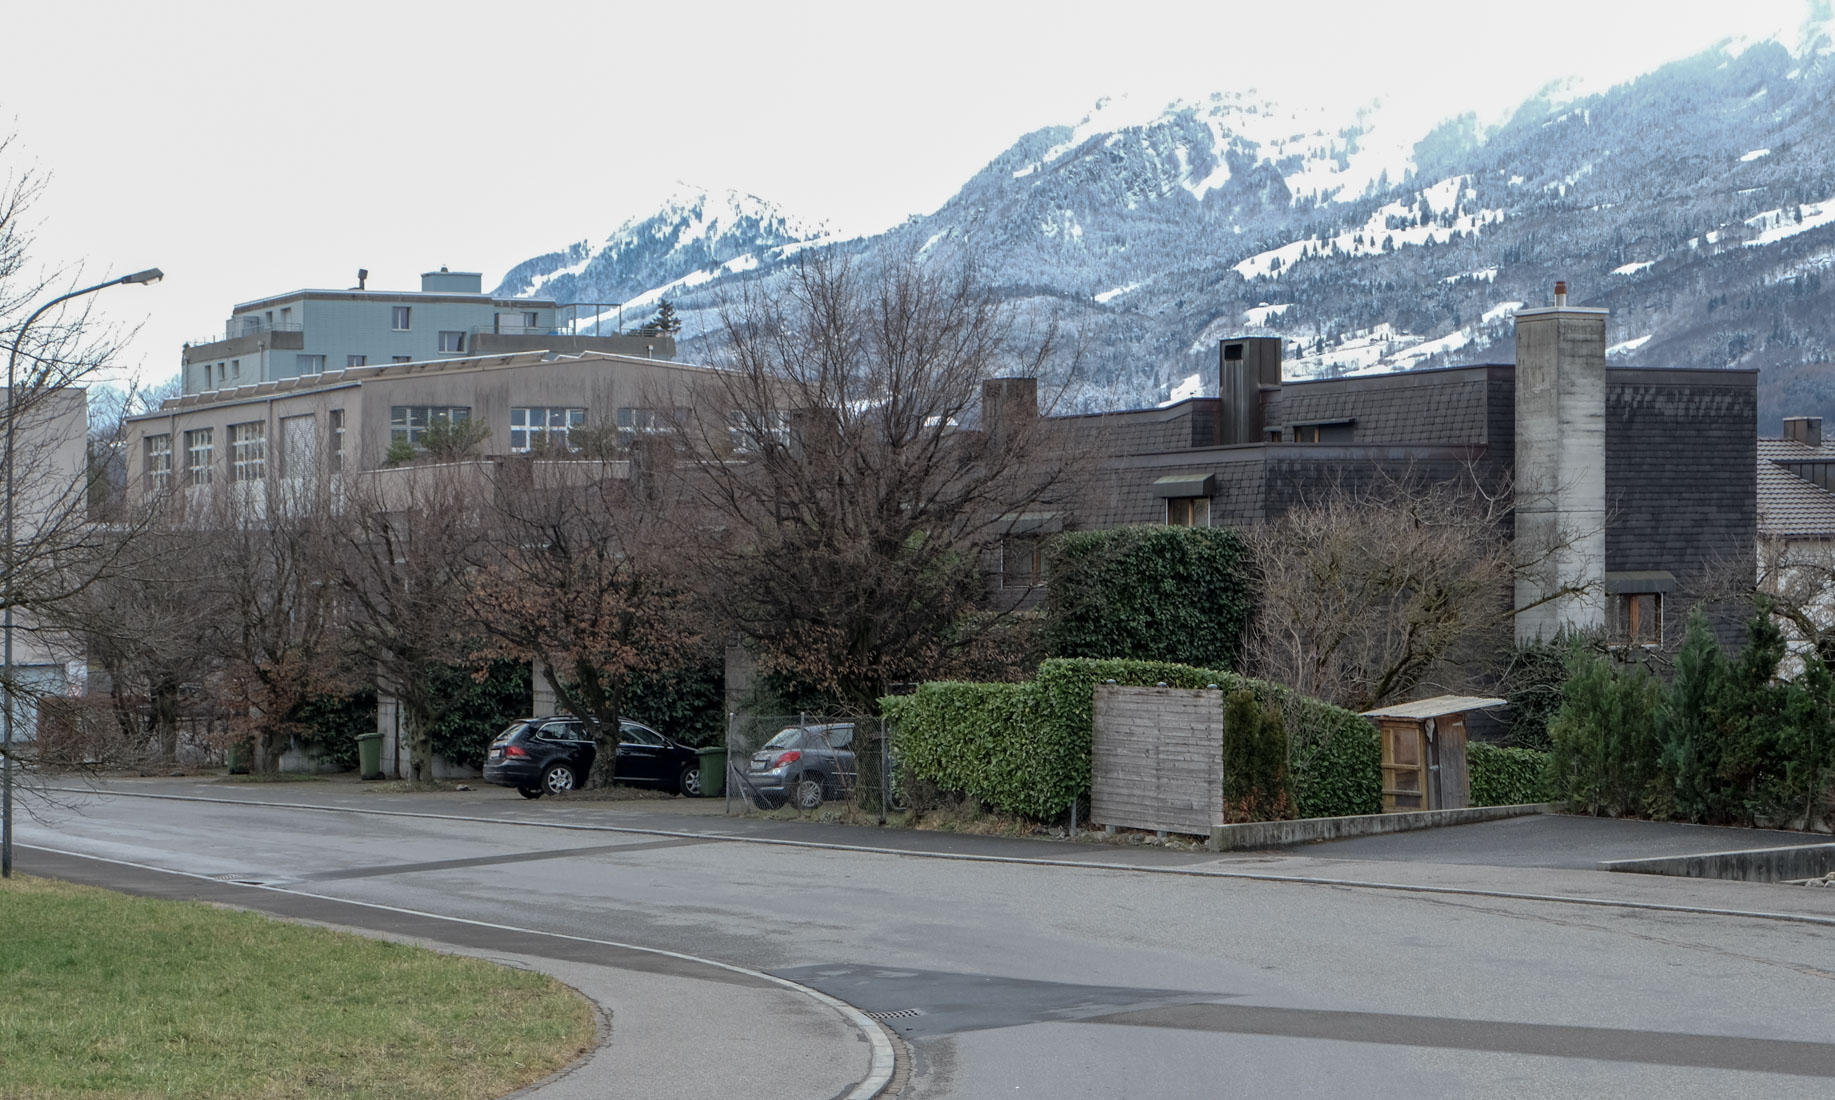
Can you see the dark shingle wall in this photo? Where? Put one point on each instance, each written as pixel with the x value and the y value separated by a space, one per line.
pixel 1681 449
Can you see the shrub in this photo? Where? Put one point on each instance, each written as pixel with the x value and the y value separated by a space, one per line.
pixel 1156 593
pixel 1025 748
pixel 475 708
pixel 1255 781
pixel 334 722
pixel 1505 776
pixel 1604 736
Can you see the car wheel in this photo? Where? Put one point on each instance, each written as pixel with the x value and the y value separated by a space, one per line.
pixel 557 779
pixel 688 784
pixel 529 792
pixel 807 794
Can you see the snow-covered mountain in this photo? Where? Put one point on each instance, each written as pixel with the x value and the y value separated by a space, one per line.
pixel 696 236
pixel 1697 202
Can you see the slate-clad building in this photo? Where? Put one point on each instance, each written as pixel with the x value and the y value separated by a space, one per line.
pixel 1646 472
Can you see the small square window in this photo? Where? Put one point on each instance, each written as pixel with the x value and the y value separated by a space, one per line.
pixel 1022 561
pixel 399 321
pixel 1188 511
pixel 452 343
pixel 1636 619
pixel 356 361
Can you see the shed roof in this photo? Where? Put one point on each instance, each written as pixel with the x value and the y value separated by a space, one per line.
pixel 1437 706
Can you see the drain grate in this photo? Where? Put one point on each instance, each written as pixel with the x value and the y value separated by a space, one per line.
pixel 895 1014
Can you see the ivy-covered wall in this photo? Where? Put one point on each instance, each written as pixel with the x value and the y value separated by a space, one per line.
pixel 1025 748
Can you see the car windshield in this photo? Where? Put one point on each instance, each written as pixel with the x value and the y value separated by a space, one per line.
pixel 792 737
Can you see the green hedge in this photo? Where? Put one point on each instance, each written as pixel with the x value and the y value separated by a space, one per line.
pixel 1507 776
pixel 1157 593
pixel 1025 748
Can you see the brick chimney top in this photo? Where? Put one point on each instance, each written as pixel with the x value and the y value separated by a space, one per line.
pixel 1806 430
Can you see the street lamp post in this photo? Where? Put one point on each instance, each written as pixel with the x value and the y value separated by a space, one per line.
pixel 150 275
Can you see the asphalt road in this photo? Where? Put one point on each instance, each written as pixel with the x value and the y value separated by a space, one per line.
pixel 1122 980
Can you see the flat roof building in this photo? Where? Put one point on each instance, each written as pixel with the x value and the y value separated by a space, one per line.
pixel 306 333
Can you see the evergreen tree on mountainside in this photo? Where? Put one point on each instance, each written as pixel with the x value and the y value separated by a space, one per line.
pixel 663 322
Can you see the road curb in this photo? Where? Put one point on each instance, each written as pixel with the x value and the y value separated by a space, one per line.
pixel 880 1067
pixel 1199 871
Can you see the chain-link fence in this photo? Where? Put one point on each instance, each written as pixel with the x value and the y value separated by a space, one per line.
pixel 806 761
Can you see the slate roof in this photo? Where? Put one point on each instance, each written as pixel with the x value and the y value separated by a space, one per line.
pixel 1790 507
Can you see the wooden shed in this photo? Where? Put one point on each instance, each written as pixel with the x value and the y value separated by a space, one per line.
pixel 1424 752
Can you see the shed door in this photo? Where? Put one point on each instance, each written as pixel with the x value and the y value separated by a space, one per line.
pixel 1404 766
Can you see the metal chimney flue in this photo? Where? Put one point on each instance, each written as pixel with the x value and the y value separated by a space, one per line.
pixel 1560 293
pixel 363 277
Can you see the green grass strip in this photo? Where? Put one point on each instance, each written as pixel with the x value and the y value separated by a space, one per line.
pixel 105 995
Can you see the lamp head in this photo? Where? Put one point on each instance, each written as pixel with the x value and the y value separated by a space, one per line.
pixel 150 275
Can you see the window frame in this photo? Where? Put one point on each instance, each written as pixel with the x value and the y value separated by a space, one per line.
pixel 456 346
pixel 1625 627
pixel 334 430
pixel 401 319
pixel 403 425
pixel 200 441
pixel 248 451
pixel 523 436
pixel 1031 547
pixel 1196 510
pixel 159 462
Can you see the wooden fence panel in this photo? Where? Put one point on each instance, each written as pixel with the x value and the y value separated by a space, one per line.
pixel 1157 759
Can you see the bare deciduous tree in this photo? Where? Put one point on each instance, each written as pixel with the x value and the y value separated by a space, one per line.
pixel 404 547
pixel 582 575
pixel 854 505
pixel 1368 592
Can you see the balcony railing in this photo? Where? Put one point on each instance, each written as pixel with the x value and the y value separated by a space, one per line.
pixel 237 329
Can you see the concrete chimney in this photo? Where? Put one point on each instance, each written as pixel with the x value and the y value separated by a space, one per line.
pixel 1248 377
pixel 1806 430
pixel 1560 479
pixel 1008 403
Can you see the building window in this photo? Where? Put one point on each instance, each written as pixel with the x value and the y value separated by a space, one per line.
pixel 248 451
pixel 638 420
pixel 159 462
pixel 309 364
pixel 198 456
pixel 235 370
pixel 543 428
pixel 530 318
pixel 356 361
pixel 1022 561
pixel 220 375
pixel 400 318
pixel 299 446
pixel 401 359
pixel 1188 511
pixel 407 423
pixel 336 417
pixel 1636 619
pixel 452 342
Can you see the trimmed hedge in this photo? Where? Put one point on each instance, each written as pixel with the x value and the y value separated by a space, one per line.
pixel 1025 748
pixel 1157 593
pixel 1504 776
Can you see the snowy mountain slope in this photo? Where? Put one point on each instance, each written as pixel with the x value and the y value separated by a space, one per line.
pixel 1697 202
pixel 695 231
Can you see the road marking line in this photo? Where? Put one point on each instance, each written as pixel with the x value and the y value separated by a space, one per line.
pixel 879 1069
pixel 1197 871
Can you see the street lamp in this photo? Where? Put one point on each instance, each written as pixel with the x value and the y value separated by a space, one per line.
pixel 138 278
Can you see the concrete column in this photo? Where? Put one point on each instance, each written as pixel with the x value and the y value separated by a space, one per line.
pixel 1560 479
pixel 388 723
pixel 543 701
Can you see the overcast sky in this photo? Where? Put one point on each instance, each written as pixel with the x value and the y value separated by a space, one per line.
pixel 249 149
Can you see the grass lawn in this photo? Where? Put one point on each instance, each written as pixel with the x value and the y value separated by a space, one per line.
pixel 105 995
